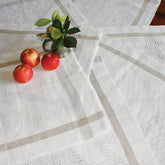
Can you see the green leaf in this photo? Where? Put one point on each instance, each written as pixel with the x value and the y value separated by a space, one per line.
pixel 58 17
pixel 73 30
pixel 66 23
pixel 70 42
pixel 57 44
pixel 42 22
pixel 56 33
pixel 66 27
pixel 42 35
pixel 57 24
pixel 66 20
pixel 54 15
pixel 62 18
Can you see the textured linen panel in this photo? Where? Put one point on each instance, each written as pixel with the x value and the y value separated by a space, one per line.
pixel 106 13
pixel 27 12
pixel 130 136
pixel 54 110
pixel 104 149
pixel 134 58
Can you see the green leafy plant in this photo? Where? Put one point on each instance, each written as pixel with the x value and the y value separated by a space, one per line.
pixel 57 32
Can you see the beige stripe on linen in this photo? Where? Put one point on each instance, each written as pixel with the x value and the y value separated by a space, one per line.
pixel 9 63
pixel 136 34
pixel 51 132
pixel 134 61
pixel 114 121
pixel 72 92
pixel 85 37
pixel 140 13
pixel 16 2
pixel 79 36
pixel 18 32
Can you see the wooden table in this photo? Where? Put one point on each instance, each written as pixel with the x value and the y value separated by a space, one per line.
pixel 159 18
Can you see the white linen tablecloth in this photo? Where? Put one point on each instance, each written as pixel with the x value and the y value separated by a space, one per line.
pixel 104 104
pixel 105 13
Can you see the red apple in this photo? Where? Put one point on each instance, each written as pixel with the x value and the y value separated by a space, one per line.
pixel 23 73
pixel 50 61
pixel 30 56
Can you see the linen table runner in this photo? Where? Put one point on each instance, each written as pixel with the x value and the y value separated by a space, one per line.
pixel 134 59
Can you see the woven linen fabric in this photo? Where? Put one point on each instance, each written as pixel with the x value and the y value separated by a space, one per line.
pixel 106 13
pixel 19 17
pixel 134 60
pixel 133 142
pixel 122 144
pixel 64 118
pixel 54 110
pixel 22 13
pixel 57 117
pixel 101 150
pixel 104 149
